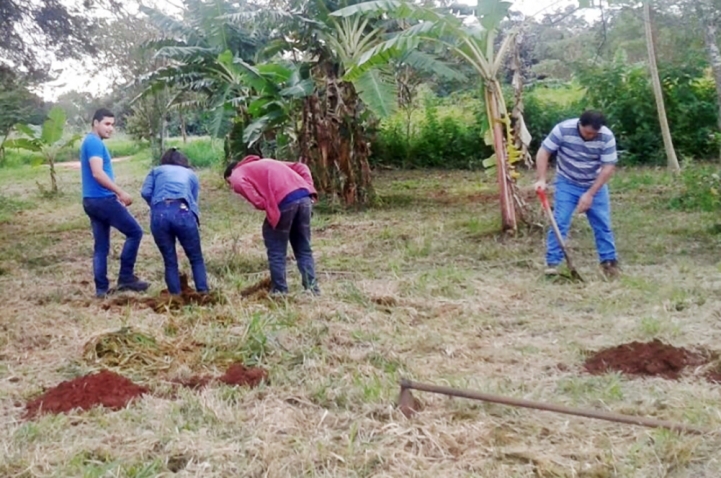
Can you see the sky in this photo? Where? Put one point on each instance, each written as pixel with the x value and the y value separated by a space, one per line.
pixel 74 74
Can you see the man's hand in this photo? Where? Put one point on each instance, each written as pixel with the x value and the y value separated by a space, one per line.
pixel 584 204
pixel 125 198
pixel 539 185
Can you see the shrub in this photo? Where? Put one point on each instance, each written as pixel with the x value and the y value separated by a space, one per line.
pixel 623 92
pixel 447 134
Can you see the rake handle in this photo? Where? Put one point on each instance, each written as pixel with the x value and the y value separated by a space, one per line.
pixel 519 402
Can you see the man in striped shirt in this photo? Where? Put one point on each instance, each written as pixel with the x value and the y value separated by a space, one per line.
pixel 586 159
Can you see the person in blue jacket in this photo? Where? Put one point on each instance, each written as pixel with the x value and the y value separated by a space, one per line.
pixel 172 190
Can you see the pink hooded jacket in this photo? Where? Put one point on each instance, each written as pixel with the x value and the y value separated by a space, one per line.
pixel 266 182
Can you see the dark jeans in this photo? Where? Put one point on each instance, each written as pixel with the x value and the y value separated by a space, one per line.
pixel 294 226
pixel 105 213
pixel 170 221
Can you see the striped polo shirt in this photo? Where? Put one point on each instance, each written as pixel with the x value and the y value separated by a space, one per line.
pixel 579 160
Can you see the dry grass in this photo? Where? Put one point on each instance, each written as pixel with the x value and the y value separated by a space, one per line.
pixel 418 287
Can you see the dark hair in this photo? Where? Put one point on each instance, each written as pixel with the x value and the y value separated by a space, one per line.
pixel 101 114
pixel 594 119
pixel 229 169
pixel 176 158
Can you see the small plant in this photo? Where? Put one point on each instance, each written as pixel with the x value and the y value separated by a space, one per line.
pixel 48 141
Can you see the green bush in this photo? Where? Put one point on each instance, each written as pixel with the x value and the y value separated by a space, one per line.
pixel 447 134
pixel 623 92
pixel 545 107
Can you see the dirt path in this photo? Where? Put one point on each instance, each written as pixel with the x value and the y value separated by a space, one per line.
pixel 76 164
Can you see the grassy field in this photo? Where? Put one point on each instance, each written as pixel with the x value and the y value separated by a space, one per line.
pixel 202 151
pixel 420 287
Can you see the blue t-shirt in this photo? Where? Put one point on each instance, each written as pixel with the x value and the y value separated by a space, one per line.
pixel 93 146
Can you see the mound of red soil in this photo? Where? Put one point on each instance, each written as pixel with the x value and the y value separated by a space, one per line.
pixel 104 388
pixel 237 374
pixel 652 358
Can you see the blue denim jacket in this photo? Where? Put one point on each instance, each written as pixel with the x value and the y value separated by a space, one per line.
pixel 172 182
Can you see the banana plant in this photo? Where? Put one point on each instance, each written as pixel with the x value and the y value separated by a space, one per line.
pixel 48 141
pixel 473 42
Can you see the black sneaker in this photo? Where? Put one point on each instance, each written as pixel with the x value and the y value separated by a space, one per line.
pixel 136 285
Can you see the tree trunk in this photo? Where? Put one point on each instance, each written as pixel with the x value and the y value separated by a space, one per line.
pixel 183 132
pixel 658 92
pixel 53 178
pixel 333 142
pixel 493 108
pixel 708 21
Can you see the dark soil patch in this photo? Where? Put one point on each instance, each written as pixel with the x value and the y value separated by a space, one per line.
pixel 195 382
pixel 651 359
pixel 165 300
pixel 104 388
pixel 386 301
pixel 259 289
pixel 236 374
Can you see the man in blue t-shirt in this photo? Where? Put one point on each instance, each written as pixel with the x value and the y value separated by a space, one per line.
pixel 106 203
pixel 585 160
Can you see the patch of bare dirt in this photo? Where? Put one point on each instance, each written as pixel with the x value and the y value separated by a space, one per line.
pixel 165 300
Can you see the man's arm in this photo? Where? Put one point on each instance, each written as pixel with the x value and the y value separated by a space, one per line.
pixel 245 188
pixel 609 157
pixel 195 187
pixel 304 172
pixel 550 145
pixel 96 166
pixel 542 158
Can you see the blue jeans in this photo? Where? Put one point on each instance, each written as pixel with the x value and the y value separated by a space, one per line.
pixel 293 227
pixel 105 213
pixel 171 220
pixel 599 216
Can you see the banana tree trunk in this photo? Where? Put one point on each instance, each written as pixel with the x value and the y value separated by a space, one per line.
pixel 53 177
pixel 333 142
pixel 493 107
pixel 658 92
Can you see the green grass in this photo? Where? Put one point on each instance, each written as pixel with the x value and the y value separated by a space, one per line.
pixel 560 95
pixel 203 152
pixel 419 286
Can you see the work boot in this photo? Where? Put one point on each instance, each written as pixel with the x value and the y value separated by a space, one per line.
pixel 136 285
pixel 610 269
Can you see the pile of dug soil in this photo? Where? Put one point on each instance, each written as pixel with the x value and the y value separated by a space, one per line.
pixel 104 388
pixel 259 289
pixel 165 300
pixel 651 359
pixel 237 374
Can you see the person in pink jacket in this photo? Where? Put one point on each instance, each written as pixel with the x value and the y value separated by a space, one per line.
pixel 286 193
